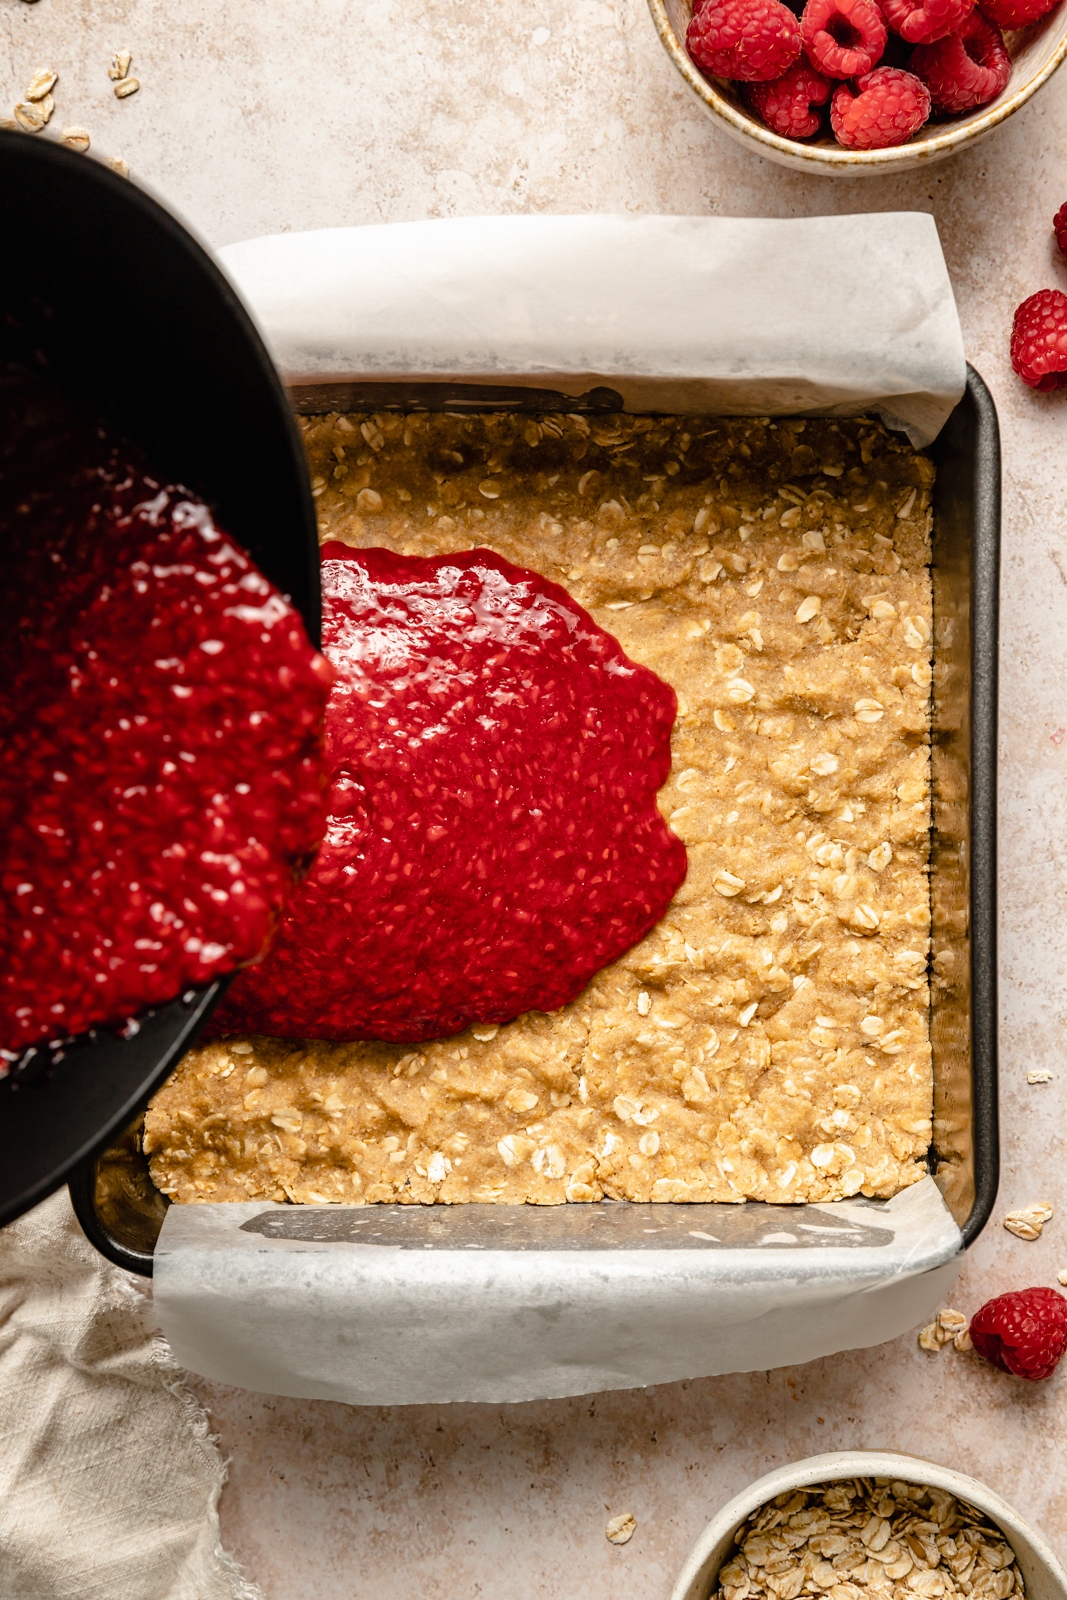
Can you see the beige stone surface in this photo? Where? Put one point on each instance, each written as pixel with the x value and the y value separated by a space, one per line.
pixel 307 113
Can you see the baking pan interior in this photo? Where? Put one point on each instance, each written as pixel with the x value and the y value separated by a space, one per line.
pixel 122 1212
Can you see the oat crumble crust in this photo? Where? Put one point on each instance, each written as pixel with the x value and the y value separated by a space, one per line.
pixel 768 1040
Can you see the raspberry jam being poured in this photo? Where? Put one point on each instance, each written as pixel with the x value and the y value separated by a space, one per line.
pixel 160 735
pixel 493 837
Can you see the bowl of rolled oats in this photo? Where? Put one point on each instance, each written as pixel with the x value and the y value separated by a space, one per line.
pixel 869 1525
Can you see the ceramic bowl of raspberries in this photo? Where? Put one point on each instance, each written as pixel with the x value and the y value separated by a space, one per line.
pixel 847 87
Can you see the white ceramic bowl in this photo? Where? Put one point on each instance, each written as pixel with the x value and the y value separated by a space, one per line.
pixel 1036 53
pixel 1045 1579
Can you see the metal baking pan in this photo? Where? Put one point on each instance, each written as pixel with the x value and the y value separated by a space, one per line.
pixel 121 1211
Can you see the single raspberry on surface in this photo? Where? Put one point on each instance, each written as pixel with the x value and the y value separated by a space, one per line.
pixel 748 40
pixel 968 69
pixel 785 104
pixel 923 21
pixel 1024 1332
pixel 891 105
pixel 843 38
pixel 1016 13
pixel 1039 343
pixel 1059 227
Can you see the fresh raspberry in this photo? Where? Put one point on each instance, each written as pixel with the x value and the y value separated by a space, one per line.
pixel 1024 1332
pixel 748 40
pixel 967 69
pixel 785 104
pixel 1039 347
pixel 923 21
pixel 890 107
pixel 1059 227
pixel 843 38
pixel 1016 13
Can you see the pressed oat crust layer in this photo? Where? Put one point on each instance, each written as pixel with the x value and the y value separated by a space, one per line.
pixel 768 1040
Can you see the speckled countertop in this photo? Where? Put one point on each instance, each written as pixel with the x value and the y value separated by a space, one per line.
pixel 261 115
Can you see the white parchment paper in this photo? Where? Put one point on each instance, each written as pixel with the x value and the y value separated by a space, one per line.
pixel 401 1304
pixel 750 316
pixel 387 1305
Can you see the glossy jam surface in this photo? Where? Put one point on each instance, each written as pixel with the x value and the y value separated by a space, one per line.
pixel 160 736
pixel 493 837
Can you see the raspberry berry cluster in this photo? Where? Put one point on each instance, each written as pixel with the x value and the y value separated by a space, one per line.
pixel 880 66
pixel 1039 331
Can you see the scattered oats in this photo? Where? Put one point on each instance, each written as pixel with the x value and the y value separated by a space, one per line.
pixel 1040 1076
pixel 739 691
pixel 809 607
pixel 127 87
pixel 1061 1277
pixel 644 1003
pixel 621 1529
pixel 869 711
pixel 120 65
pixel 370 500
pixel 880 856
pixel 31 115
pixel 42 82
pixel 905 508
pixel 117 164
pixel 489 489
pixel 1028 1221
pixel 76 138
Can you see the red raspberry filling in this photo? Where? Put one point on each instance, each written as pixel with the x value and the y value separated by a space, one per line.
pixel 493 837
pixel 161 737
pixel 843 38
pixel 1039 340
pixel 923 21
pixel 747 40
pixel 785 104
pixel 891 105
pixel 1009 14
pixel 968 69
pixel 1024 1333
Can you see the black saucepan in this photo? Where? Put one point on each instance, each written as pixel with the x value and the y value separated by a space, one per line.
pixel 119 306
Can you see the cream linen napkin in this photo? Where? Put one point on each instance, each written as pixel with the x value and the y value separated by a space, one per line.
pixel 109 1478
